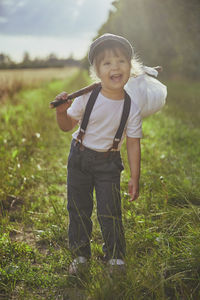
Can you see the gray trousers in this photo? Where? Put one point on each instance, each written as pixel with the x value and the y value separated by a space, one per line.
pixel 89 170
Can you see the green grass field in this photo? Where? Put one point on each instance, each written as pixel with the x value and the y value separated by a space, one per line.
pixel 162 227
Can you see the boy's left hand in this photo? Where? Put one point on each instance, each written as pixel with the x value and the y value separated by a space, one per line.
pixel 133 190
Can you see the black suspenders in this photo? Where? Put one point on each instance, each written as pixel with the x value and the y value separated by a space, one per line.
pixel 88 109
pixel 87 112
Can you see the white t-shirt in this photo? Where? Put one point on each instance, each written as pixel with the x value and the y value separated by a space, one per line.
pixel 104 121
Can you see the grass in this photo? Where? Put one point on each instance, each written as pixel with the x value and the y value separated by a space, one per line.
pixel 162 227
pixel 12 81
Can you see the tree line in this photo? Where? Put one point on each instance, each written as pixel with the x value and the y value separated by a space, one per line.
pixel 51 61
pixel 163 32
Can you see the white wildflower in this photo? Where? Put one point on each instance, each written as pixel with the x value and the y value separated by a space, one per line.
pixel 37 134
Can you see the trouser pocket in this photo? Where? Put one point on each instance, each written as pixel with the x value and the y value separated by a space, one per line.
pixel 118 164
pixel 74 158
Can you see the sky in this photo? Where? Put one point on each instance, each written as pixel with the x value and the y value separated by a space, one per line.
pixel 41 27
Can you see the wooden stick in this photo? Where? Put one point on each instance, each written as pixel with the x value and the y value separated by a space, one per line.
pixel 78 93
pixel 83 91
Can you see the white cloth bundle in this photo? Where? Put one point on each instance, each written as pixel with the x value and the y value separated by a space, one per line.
pixel 147 92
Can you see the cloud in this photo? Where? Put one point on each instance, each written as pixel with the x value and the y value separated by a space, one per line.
pixel 52 17
pixel 21 3
pixel 80 2
pixel 3 20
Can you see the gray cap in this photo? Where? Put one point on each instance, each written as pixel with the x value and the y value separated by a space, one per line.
pixel 109 37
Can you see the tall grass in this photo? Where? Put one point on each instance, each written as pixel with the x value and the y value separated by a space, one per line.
pixel 12 81
pixel 162 227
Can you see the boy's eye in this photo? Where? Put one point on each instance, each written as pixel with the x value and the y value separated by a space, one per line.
pixel 106 63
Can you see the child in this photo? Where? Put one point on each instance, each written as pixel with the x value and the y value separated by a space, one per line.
pixel 94 161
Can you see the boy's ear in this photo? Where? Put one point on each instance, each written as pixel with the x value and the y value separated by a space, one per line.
pixel 97 73
pixel 96 70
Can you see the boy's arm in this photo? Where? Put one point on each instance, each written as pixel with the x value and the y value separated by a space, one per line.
pixel 65 122
pixel 134 155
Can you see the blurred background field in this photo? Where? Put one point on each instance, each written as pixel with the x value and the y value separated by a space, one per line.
pixel 12 81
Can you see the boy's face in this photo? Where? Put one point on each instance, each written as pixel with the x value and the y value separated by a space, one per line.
pixel 114 70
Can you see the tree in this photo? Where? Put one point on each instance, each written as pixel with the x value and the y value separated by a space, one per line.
pixel 162 32
pixel 5 60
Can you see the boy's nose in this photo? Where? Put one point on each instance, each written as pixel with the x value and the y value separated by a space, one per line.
pixel 115 66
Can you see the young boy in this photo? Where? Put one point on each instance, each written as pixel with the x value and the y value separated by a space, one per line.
pixel 94 161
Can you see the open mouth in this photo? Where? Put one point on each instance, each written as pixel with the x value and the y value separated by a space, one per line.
pixel 116 77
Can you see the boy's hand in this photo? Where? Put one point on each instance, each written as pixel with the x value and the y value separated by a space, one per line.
pixel 63 107
pixel 133 190
pixel 159 68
